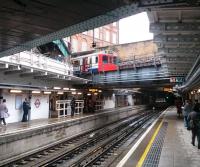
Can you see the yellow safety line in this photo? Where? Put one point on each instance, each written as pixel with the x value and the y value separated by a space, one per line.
pixel 141 161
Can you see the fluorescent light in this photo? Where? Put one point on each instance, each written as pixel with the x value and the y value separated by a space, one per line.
pixel 60 93
pixel 15 91
pixel 100 91
pixel 72 89
pixel 89 94
pixel 56 87
pixel 65 88
pixel 79 93
pixel 47 92
pixel 95 93
pixel 73 93
pixel 36 91
pixel 198 90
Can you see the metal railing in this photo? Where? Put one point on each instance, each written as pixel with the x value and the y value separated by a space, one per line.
pixel 39 62
pixel 131 76
pixel 140 62
pixel 63 107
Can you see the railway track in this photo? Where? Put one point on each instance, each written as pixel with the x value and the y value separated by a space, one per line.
pixel 88 149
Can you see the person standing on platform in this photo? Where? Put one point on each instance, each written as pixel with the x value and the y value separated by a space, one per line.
pixel 73 105
pixel 194 123
pixel 186 110
pixel 26 108
pixel 3 111
pixel 196 106
pixel 178 106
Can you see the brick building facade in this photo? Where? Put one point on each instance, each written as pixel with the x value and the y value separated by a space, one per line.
pixel 102 36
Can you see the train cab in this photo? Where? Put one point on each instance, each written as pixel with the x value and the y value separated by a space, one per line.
pixel 96 62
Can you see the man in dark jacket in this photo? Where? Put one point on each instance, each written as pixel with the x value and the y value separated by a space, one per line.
pixel 26 108
pixel 73 105
pixel 194 122
pixel 196 106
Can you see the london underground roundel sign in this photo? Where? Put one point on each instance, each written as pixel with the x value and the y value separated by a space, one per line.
pixel 37 103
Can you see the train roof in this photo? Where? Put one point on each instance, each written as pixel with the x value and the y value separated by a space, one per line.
pixel 90 55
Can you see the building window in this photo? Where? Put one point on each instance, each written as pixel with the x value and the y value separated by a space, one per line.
pixel 114 24
pixel 74 45
pixel 101 36
pixel 114 38
pixel 107 36
pixel 84 45
pixel 96 33
pixel 85 33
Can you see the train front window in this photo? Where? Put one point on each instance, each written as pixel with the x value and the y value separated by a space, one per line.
pixel 96 59
pixel 114 60
pixel 105 59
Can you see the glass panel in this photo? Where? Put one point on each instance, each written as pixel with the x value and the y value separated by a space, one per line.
pixel 105 59
pixel 96 60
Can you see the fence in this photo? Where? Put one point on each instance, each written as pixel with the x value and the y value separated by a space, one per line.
pixel 64 109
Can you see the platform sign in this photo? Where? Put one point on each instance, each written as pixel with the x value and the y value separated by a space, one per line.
pixel 37 103
pixel 177 79
pixel 167 89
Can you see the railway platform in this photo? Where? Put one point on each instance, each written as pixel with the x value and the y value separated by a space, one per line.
pixel 21 139
pixel 167 143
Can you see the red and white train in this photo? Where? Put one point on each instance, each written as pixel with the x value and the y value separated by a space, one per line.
pixel 95 62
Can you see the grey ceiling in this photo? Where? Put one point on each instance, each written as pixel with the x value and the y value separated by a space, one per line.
pixel 25 20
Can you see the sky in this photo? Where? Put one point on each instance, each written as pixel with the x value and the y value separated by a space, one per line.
pixel 134 28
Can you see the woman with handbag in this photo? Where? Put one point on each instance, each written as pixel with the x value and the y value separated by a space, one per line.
pixel 3 111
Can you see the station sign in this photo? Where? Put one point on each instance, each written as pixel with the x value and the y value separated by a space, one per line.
pixel 177 79
pixel 37 103
pixel 167 89
pixel 93 90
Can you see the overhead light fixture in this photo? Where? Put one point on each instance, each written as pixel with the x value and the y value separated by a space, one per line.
pixel 60 93
pixel 72 89
pixel 47 92
pixel 89 94
pixel 73 93
pixel 56 88
pixel 100 91
pixel 65 88
pixel 36 91
pixel 79 93
pixel 15 91
pixel 95 93
pixel 198 90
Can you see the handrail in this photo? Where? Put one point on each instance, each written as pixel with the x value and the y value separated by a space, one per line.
pixel 39 61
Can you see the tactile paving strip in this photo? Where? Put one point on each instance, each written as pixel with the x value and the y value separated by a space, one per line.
pixel 153 156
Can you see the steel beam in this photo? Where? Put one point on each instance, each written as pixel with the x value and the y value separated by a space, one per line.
pixel 161 3
pixel 194 50
pixel 177 39
pixel 189 45
pixel 162 28
pixel 89 24
pixel 131 8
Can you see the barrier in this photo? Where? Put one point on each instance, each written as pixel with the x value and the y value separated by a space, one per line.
pixel 99 105
pixel 63 107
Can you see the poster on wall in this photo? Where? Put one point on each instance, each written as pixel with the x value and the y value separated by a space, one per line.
pixel 18 102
